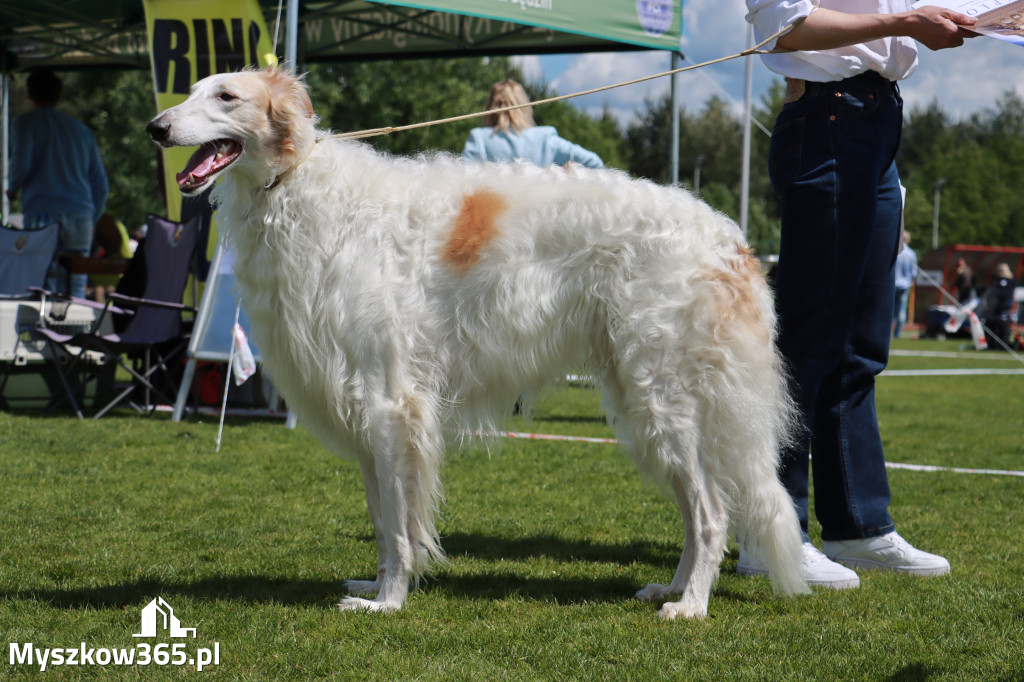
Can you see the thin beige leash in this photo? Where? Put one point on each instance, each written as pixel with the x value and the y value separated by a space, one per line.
pixel 373 132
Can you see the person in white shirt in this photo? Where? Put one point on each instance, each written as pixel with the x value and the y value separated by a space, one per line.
pixel 832 165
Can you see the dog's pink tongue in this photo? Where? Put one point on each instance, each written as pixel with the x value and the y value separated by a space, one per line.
pixel 200 165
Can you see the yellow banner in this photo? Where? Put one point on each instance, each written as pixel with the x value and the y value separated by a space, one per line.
pixel 188 41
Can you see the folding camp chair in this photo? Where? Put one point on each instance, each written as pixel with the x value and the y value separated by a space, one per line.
pixel 25 260
pixel 148 327
pixel 25 257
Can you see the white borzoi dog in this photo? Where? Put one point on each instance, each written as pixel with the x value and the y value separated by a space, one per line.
pixel 398 302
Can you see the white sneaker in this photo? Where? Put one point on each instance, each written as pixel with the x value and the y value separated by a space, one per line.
pixel 817 570
pixel 888 552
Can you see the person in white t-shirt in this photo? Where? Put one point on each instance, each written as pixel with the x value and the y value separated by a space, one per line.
pixel 832 166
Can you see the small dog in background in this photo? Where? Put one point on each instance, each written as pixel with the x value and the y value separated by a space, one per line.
pixel 399 300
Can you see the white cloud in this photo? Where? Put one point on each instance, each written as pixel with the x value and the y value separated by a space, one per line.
pixel 966 79
pixel 531 67
pixel 589 71
pixel 963 80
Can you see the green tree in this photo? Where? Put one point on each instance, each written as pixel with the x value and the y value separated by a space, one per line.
pixel 352 96
pixel 647 140
pixel 981 158
pixel 357 96
pixel 980 162
pixel 712 138
pixel 600 135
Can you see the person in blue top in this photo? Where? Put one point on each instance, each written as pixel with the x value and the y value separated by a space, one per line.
pixel 511 135
pixel 906 273
pixel 56 167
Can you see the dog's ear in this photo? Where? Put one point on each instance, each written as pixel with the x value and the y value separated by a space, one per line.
pixel 289 112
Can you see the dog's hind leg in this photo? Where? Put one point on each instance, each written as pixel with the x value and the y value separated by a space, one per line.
pixel 706 525
pixel 661 427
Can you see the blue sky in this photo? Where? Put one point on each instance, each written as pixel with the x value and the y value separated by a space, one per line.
pixel 963 80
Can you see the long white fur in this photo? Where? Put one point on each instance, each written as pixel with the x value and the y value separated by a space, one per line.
pixel 382 345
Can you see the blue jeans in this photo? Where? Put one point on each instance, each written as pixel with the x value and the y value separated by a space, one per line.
pixel 832 166
pixel 900 314
pixel 75 235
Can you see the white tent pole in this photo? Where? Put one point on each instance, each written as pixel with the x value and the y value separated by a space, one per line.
pixel 227 378
pixel 291 43
pixel 745 170
pixel 5 141
pixel 673 159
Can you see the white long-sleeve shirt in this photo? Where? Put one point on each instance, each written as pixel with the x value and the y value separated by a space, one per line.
pixel 895 58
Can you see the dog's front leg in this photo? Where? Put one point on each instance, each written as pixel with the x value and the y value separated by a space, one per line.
pixel 372 486
pixel 392 535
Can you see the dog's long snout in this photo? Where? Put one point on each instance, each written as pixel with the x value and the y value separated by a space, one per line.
pixel 158 129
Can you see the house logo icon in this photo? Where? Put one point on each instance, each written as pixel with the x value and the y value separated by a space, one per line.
pixel 159 613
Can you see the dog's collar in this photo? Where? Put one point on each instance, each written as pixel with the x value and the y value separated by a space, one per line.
pixel 281 176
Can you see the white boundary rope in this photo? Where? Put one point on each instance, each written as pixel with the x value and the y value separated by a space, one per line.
pixel 519 435
pixel 947 372
pixel 976 355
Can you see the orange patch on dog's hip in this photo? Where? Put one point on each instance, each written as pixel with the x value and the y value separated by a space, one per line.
pixel 474 228
pixel 738 288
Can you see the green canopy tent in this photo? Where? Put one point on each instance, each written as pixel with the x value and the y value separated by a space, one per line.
pixel 79 34
pixel 68 34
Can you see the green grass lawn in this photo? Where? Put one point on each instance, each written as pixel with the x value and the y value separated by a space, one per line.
pixel 547 543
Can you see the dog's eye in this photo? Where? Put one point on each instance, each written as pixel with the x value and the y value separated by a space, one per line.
pixel 227 97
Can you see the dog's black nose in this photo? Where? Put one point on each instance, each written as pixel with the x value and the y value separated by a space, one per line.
pixel 158 130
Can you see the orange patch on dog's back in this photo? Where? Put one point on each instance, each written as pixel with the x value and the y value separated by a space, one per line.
pixel 474 228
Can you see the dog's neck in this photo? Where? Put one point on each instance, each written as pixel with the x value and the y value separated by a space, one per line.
pixel 286 172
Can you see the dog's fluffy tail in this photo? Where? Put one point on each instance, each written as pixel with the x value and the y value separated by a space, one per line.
pixel 767 519
pixel 772 532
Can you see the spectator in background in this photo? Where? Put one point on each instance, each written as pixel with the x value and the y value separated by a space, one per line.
pixel 906 273
pixel 510 135
pixel 964 283
pixel 998 301
pixel 111 241
pixel 56 167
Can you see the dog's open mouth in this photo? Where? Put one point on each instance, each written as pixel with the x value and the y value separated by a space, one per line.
pixel 208 161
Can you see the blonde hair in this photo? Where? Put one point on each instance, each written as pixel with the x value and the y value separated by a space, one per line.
pixel 1003 271
pixel 508 93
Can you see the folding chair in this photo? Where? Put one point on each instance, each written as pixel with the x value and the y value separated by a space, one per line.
pixel 148 328
pixel 25 258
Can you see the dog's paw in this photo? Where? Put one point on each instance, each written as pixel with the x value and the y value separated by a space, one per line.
pixel 676 609
pixel 359 604
pixel 363 587
pixel 653 592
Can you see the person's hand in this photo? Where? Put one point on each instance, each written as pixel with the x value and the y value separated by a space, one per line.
pixel 938 28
